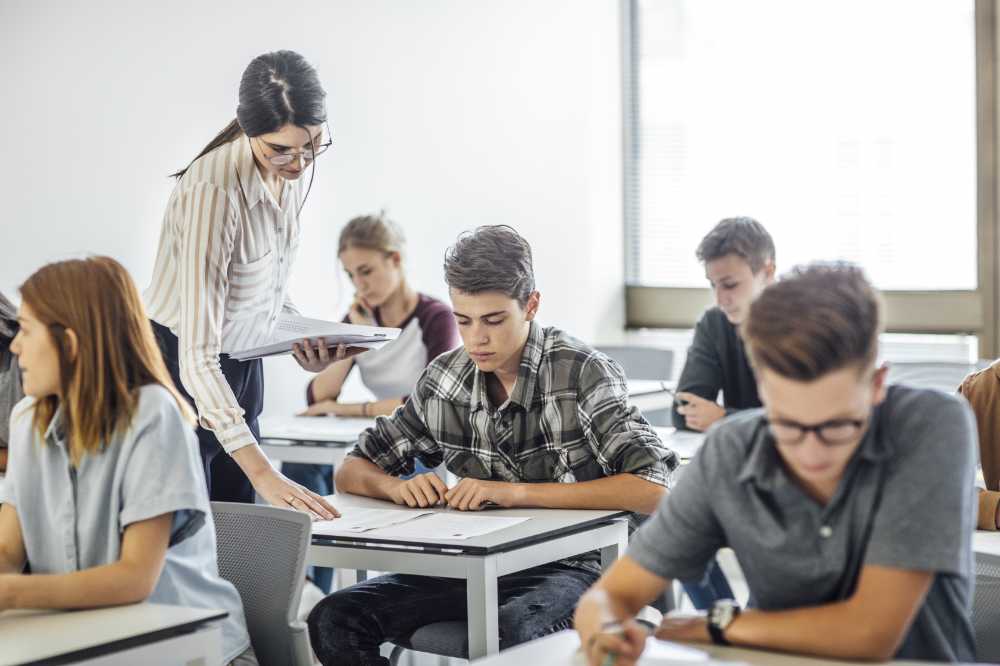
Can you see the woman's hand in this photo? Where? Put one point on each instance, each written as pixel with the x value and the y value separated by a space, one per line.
pixel 278 490
pixel 318 358
pixel 361 312
pixel 699 413
pixel 331 407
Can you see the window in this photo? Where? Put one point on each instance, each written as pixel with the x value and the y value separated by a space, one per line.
pixel 848 128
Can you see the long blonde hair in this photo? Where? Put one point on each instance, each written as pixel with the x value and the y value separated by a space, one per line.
pixel 372 232
pixel 116 353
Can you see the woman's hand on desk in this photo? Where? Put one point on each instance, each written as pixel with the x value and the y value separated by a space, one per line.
pixel 329 406
pixel 280 491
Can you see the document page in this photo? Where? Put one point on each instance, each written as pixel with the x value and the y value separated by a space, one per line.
pixel 448 525
pixel 355 521
pixel 290 329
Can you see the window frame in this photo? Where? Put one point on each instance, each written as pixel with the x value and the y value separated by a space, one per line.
pixel 973 312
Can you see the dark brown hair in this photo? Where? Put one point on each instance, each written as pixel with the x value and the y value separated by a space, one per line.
pixel 116 352
pixel 816 319
pixel 491 258
pixel 743 236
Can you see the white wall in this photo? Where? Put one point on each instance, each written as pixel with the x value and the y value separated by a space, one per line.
pixel 450 113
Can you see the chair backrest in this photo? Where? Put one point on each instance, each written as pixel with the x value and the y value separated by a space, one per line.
pixel 642 362
pixel 941 375
pixel 986 611
pixel 262 551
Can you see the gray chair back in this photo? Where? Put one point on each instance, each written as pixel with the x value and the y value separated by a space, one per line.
pixel 262 552
pixel 941 375
pixel 986 611
pixel 642 362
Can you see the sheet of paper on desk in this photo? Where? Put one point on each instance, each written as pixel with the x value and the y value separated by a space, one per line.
pixel 364 520
pixel 449 525
pixel 665 653
pixel 683 442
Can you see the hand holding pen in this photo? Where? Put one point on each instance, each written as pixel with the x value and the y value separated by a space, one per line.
pixel 615 644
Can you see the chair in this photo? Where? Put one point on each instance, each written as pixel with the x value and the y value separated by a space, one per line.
pixel 986 611
pixel 654 363
pixel 451 639
pixel 262 552
pixel 941 375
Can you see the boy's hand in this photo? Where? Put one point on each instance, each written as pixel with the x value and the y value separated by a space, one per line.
pixel 699 413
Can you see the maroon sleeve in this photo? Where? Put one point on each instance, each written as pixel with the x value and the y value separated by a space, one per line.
pixel 440 332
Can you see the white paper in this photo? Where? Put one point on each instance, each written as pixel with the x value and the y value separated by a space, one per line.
pixel 684 442
pixel 661 653
pixel 359 520
pixel 448 525
pixel 314 428
pixel 289 329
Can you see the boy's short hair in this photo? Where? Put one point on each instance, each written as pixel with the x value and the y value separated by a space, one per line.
pixel 491 258
pixel 743 236
pixel 816 319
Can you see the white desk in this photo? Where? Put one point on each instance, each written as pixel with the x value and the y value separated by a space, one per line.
pixel 560 649
pixel 550 535
pixel 148 634
pixel 310 439
pixel 986 546
pixel 650 394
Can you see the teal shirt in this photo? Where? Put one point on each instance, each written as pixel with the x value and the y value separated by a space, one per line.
pixel 73 519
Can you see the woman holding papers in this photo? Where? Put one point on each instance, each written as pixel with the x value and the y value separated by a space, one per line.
pixel 227 244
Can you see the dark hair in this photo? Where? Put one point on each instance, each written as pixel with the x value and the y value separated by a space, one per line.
pixel 818 318
pixel 8 323
pixel 491 258
pixel 742 236
pixel 277 89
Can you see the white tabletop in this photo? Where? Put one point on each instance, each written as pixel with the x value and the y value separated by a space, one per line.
pixel 544 524
pixel 685 442
pixel 986 543
pixel 332 429
pixel 28 636
pixel 560 649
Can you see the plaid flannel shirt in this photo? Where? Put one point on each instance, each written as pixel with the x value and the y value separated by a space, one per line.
pixel 567 420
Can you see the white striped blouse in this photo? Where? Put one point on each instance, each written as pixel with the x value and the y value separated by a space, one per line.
pixel 222 267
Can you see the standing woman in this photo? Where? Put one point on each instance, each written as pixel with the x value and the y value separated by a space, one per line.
pixel 10 378
pixel 226 248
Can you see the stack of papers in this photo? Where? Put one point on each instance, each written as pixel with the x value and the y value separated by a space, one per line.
pixel 290 329
pixel 407 524
pixel 314 428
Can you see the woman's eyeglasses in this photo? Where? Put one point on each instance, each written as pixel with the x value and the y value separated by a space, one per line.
pixel 308 153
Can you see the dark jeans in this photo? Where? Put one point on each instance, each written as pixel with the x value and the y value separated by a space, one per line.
pixel 348 626
pixel 712 587
pixel 319 479
pixel 226 481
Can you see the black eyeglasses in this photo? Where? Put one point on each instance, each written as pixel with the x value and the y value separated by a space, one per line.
pixel 308 153
pixel 835 432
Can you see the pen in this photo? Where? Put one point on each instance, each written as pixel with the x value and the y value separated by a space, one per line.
pixel 616 629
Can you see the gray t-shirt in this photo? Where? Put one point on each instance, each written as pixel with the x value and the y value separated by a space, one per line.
pixel 74 519
pixel 906 502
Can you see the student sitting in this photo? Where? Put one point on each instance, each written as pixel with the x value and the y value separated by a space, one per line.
pixel 106 492
pixel 738 255
pixel 982 390
pixel 10 378
pixel 527 417
pixel 847 501
pixel 371 251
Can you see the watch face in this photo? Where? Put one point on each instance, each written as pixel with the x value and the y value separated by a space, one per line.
pixel 722 613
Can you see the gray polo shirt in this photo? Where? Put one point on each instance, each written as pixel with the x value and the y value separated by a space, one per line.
pixel 906 502
pixel 73 519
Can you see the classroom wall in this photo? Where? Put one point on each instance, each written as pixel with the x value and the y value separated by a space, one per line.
pixel 449 113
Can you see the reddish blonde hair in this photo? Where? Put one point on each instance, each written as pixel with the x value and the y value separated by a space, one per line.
pixel 116 353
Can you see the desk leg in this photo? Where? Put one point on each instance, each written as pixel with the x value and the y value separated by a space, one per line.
pixel 348 577
pixel 611 553
pixel 483 605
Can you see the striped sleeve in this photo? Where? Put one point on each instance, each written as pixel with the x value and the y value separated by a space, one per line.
pixel 207 233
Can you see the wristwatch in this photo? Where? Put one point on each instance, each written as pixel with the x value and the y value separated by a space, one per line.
pixel 720 616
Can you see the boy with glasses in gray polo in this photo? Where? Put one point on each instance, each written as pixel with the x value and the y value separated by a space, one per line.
pixel 847 502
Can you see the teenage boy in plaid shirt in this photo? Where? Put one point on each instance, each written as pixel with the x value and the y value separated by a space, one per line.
pixel 525 416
